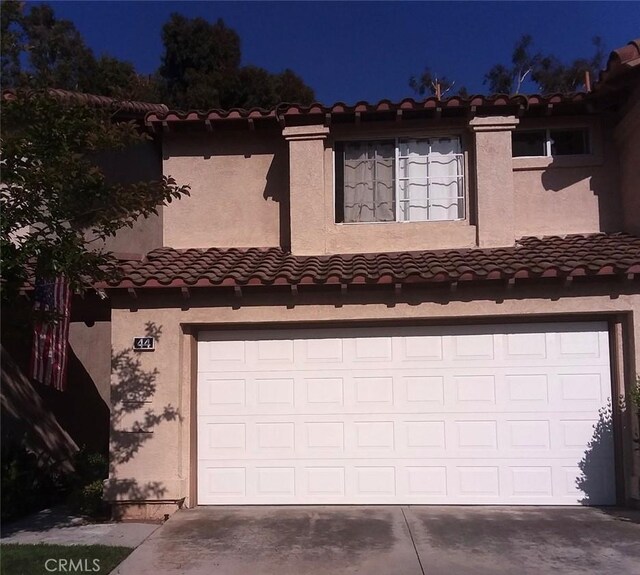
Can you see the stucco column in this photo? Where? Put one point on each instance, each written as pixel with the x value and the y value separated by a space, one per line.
pixel 494 180
pixel 306 185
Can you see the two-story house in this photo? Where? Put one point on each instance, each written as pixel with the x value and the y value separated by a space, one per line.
pixel 414 302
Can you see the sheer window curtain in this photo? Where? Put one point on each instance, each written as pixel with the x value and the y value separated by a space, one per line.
pixel 445 183
pixel 429 185
pixel 369 182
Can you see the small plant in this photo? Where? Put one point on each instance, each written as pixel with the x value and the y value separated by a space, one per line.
pixel 85 484
pixel 634 393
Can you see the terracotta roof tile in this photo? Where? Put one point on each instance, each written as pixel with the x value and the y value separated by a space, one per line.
pixel 124 107
pixel 620 61
pixel 291 111
pixel 531 257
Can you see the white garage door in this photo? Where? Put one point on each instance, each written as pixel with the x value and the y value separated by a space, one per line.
pixel 466 415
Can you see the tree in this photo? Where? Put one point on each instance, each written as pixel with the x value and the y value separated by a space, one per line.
pixel 290 87
pixel 11 41
pixel 428 83
pixel 551 75
pixel 546 71
pixel 57 204
pixel 200 62
pixel 201 65
pixel 41 51
pixel 57 54
pixel 201 69
pixel 508 80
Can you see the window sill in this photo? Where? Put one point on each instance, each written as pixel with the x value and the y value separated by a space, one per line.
pixel 458 222
pixel 545 162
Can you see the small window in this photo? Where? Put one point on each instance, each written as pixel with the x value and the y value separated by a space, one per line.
pixel 400 180
pixel 550 142
pixel 529 143
pixel 569 142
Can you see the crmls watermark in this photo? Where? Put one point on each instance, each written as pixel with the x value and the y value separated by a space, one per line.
pixel 72 565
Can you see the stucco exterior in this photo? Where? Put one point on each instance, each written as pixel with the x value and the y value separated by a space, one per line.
pixel 239 185
pixel 273 184
pixel 163 467
pixel 279 188
pixel 563 195
pixel 137 164
pixel 627 137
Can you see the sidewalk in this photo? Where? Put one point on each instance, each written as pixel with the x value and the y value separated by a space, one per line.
pixel 58 527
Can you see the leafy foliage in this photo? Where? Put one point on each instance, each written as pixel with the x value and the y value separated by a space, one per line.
pixel 201 69
pixel 201 65
pixel 546 71
pixel 552 75
pixel 428 82
pixel 57 204
pixel 29 482
pixel 41 51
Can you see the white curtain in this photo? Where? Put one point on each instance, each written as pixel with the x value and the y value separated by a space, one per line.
pixel 413 182
pixel 445 183
pixel 369 182
pixel 429 185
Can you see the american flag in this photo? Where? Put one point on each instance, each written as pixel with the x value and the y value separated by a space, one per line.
pixel 51 332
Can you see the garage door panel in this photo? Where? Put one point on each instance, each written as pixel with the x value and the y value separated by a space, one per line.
pixel 494 481
pixel 357 436
pixel 411 390
pixel 480 346
pixel 482 414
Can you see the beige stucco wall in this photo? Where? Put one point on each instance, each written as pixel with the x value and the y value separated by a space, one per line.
pixel 494 180
pixel 567 195
pixel 163 462
pixel 239 189
pixel 243 180
pixel 139 163
pixel 628 145
pixel 91 344
pixel 314 230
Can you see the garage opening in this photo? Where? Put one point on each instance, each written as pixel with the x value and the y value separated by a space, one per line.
pixel 502 414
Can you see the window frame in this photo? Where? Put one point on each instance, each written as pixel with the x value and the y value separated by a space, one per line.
pixel 338 174
pixel 547 141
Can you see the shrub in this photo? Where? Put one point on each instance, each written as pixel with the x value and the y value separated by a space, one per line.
pixel 85 485
pixel 29 482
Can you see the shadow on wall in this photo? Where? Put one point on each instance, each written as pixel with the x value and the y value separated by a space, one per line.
pixel 596 465
pixel 133 420
pixel 79 411
pixel 264 142
pixel 276 191
pixel 558 177
pixel 26 415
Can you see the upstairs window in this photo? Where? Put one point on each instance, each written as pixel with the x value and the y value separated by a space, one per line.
pixel 401 180
pixel 550 142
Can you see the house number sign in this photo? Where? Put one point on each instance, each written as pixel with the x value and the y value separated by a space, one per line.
pixel 144 344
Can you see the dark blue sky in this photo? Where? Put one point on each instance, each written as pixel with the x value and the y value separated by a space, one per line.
pixel 348 51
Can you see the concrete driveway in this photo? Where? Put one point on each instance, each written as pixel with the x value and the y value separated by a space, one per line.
pixel 394 540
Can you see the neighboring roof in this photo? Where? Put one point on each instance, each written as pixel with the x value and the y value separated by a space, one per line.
pixel 124 107
pixel 548 257
pixel 620 62
pixel 384 109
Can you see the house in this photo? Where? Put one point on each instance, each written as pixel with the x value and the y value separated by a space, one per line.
pixel 415 302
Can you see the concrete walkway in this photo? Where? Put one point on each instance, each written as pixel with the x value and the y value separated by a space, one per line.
pixel 58 527
pixel 411 540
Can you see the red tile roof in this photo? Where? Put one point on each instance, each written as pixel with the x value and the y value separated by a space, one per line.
pixel 125 107
pixel 409 107
pixel 548 257
pixel 620 62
